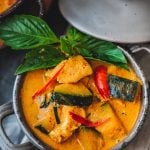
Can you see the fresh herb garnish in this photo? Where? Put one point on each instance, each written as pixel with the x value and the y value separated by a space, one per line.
pixel 30 32
pixel 40 58
pixel 75 42
pixel 42 129
pixel 26 32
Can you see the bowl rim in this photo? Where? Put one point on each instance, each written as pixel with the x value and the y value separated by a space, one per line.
pixel 140 120
pixel 11 8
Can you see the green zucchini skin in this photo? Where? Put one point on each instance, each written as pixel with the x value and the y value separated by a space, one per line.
pixel 122 88
pixel 42 129
pixel 72 100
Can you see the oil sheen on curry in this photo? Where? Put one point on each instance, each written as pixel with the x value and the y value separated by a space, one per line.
pixel 81 104
pixel 6 4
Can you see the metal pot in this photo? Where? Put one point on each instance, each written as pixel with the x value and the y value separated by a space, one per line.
pixel 15 107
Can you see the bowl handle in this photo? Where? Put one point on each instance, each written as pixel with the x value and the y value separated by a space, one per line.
pixel 138 48
pixel 6 110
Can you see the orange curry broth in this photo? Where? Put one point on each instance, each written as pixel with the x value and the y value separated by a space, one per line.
pixel 5 4
pixel 126 111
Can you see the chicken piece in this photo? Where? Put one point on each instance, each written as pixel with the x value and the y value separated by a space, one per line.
pixel 50 73
pixel 65 129
pixel 75 69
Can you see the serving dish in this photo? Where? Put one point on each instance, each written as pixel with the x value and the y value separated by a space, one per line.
pixel 9 108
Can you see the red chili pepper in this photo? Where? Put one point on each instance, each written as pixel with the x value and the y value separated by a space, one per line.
pixel 50 81
pixel 86 122
pixel 101 82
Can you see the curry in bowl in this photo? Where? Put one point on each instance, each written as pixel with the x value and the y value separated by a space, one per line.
pixel 6 4
pixel 79 110
pixel 79 92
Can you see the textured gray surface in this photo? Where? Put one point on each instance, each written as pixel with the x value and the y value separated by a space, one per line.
pixel 9 60
pixel 125 21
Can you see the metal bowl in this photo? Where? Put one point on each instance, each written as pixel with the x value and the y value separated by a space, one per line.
pixel 16 107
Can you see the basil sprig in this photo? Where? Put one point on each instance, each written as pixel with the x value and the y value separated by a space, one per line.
pixel 75 42
pixel 26 32
pixel 30 32
pixel 46 57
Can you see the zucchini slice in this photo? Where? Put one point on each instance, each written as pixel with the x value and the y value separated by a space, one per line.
pixel 122 88
pixel 72 94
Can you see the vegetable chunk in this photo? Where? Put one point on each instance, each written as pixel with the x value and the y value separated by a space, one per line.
pixel 122 88
pixel 73 89
pixel 72 94
pixel 46 122
pixel 113 129
pixel 75 69
pixel 89 139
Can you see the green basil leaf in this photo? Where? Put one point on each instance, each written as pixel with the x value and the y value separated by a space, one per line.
pixel 114 56
pixel 65 46
pixel 41 58
pixel 26 32
pixel 92 48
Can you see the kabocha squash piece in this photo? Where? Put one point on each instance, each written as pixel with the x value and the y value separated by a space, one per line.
pixel 89 139
pixel 67 125
pixel 75 69
pixel 112 129
pixel 72 94
pixel 46 122
pixel 122 88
